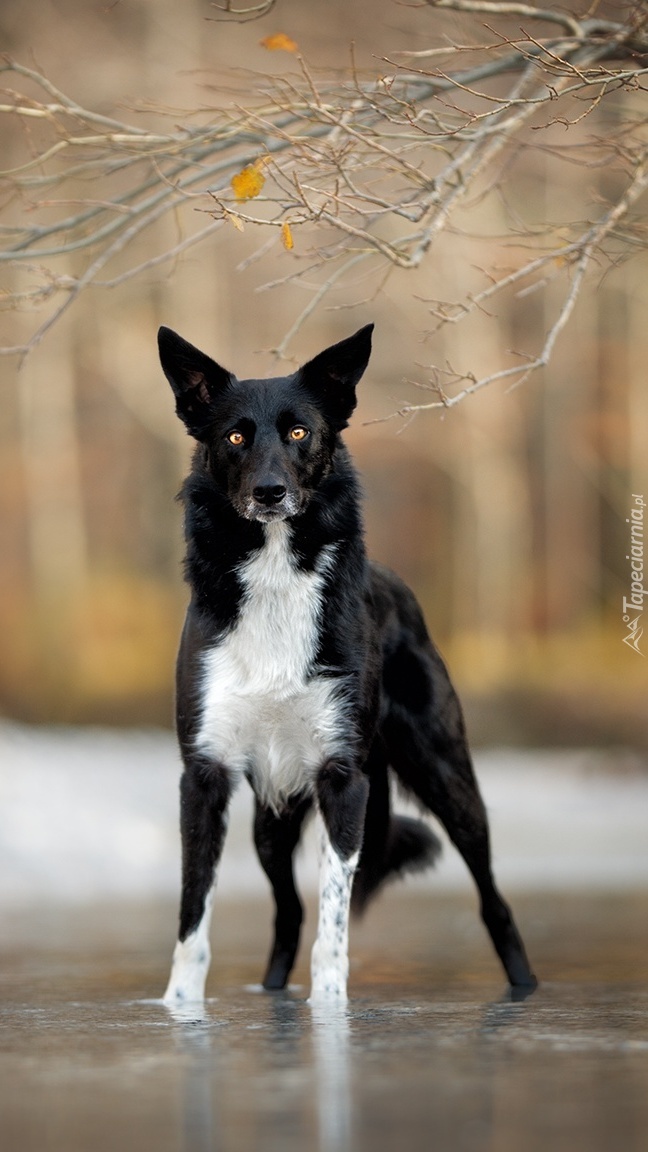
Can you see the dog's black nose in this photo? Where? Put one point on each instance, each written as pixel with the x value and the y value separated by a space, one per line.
pixel 269 493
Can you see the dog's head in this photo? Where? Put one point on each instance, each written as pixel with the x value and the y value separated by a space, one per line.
pixel 269 443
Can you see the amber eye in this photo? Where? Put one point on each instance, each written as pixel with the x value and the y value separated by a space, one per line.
pixel 236 438
pixel 298 433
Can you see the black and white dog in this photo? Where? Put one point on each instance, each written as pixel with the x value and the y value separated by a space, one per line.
pixel 306 669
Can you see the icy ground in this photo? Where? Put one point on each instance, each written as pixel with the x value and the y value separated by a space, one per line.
pixel 89 813
pixel 432 1052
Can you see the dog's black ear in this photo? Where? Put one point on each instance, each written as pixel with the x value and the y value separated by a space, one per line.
pixel 195 378
pixel 332 376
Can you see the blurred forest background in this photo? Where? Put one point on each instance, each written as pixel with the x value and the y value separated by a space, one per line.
pixel 506 513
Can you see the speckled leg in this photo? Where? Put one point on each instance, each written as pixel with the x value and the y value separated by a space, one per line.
pixel 342 799
pixel 330 955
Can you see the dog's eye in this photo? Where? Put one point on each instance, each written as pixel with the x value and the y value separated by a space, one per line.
pixel 236 438
pixel 298 433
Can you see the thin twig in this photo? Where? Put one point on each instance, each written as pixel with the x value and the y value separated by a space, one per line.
pixel 373 170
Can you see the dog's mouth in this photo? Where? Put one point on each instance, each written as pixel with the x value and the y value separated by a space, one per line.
pixel 270 513
pixel 266 515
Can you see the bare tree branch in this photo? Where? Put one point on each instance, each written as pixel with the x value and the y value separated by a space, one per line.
pixel 364 172
pixel 242 15
pixel 484 7
pixel 518 374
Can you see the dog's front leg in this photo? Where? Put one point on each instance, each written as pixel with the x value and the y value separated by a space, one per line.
pixel 342 798
pixel 204 795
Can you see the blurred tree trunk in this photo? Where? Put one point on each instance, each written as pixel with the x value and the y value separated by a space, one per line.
pixel 56 521
pixel 491 537
pixel 637 384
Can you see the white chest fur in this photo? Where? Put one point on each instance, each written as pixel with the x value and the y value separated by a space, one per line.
pixel 264 712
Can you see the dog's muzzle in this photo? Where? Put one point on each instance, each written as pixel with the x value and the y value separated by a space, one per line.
pixel 271 502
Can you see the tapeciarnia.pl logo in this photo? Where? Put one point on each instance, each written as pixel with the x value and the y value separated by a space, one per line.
pixel 634 601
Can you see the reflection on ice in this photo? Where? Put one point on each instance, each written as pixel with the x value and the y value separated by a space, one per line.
pixel 428 1053
pixel 331 1037
pixel 191 1012
pixel 195 1047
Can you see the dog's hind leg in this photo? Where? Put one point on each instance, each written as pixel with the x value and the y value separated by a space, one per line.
pixel 429 752
pixel 459 806
pixel 392 846
pixel 276 838
pixel 204 795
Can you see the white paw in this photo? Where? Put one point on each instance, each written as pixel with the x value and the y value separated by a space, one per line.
pixel 328 986
pixel 188 972
pixel 184 991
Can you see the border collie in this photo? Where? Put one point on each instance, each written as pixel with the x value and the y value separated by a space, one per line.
pixel 306 669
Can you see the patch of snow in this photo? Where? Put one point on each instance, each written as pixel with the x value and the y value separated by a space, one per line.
pixel 87 814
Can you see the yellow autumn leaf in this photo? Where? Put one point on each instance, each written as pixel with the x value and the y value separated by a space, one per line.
pixel 279 43
pixel 287 236
pixel 248 183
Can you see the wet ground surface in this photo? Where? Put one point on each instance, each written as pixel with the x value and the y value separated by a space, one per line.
pixel 432 1052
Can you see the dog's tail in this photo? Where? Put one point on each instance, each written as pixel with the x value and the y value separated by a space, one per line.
pixel 392 846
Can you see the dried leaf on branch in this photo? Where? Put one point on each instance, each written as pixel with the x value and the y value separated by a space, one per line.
pixel 248 183
pixel 279 43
